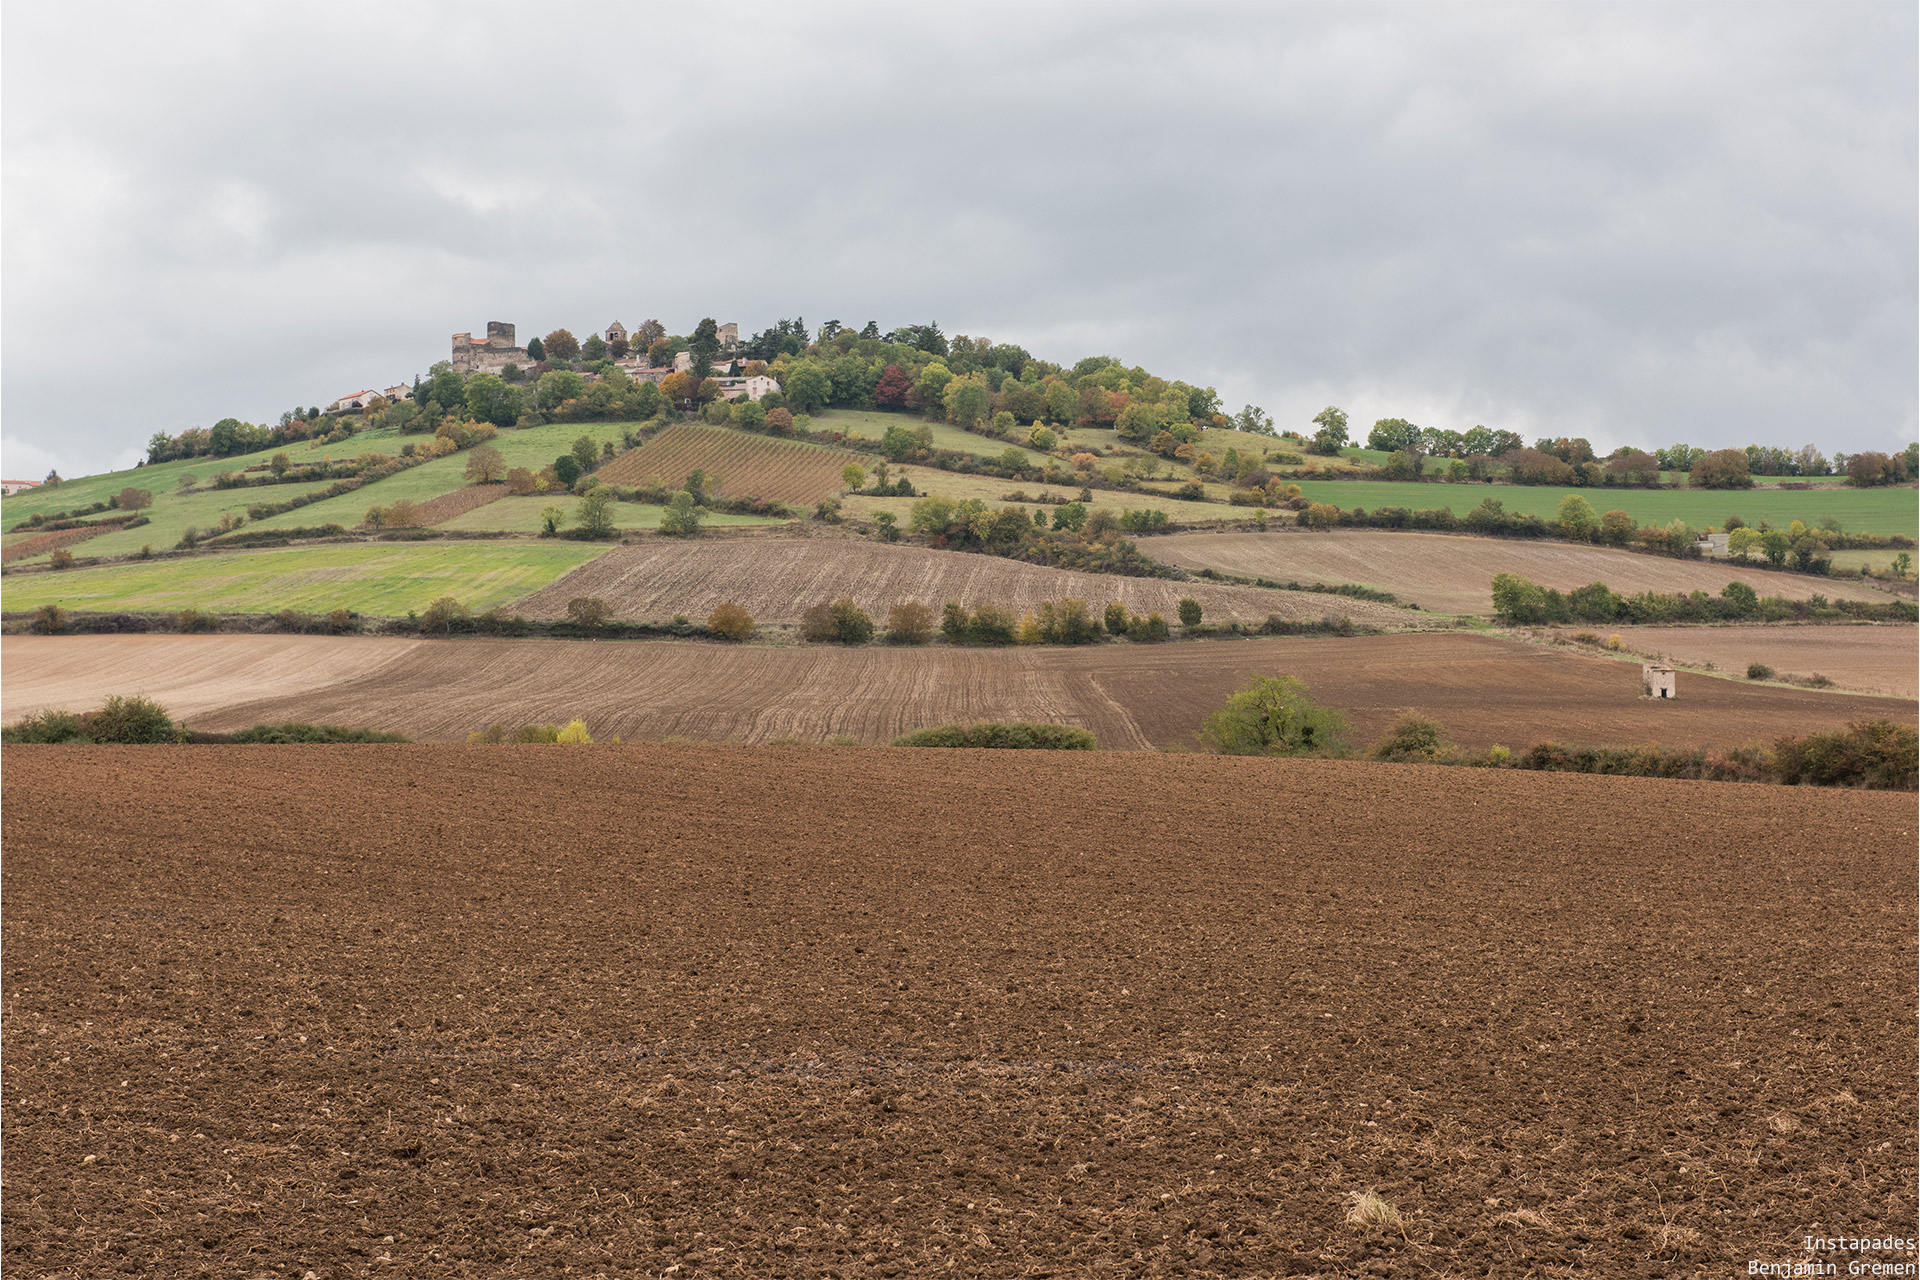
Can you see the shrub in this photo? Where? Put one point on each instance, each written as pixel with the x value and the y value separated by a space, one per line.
pixel 682 516
pixel 51 620
pixel 402 513
pixel 816 623
pixel 311 733
pixel 441 615
pixel 953 622
pixel 1759 671
pixel 589 611
pixel 909 622
pixel 1273 716
pixel 991 624
pixel 131 720
pixel 62 558
pixel 1153 627
pixel 849 622
pixel 1878 754
pixel 729 621
pixel 1116 619
pixel 192 620
pixel 1413 737
pixel 1189 612
pixel 1046 737
pixel 339 622
pixel 47 726
pixel 537 733
pixel 575 732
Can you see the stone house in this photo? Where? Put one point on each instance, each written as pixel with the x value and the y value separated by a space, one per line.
pixel 10 487
pixel 1657 680
pixel 490 354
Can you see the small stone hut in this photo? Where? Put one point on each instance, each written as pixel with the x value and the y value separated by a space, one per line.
pixel 1657 680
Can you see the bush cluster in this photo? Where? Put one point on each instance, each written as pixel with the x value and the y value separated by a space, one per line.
pixel 1048 737
pixel 1519 601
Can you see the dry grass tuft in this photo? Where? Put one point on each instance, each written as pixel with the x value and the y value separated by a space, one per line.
pixel 1369 1210
pixel 1782 1123
pixel 1527 1218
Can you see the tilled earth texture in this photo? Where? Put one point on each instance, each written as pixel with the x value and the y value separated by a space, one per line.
pixel 735 1011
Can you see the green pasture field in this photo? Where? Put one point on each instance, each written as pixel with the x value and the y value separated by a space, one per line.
pixel 169 519
pixel 163 478
pixel 530 447
pixel 868 425
pixel 381 579
pixel 1883 511
pixel 522 515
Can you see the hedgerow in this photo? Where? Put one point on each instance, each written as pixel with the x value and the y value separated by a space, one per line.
pixel 1046 737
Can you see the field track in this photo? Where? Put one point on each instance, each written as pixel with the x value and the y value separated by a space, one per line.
pixel 1483 689
pixel 738 464
pixel 746 1012
pixel 775 580
pixel 1452 574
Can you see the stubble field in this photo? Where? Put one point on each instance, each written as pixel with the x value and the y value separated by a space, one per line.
pixel 1452 574
pixel 776 579
pixel 1483 689
pixel 801 1012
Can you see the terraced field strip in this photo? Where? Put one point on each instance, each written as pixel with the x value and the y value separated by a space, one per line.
pixel 738 464
pixel 776 579
pixel 808 1012
pixel 448 505
pixel 381 578
pixel 1484 690
pixel 21 548
pixel 1450 573
pixel 1883 511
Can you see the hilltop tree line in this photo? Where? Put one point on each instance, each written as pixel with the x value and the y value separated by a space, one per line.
pixel 999 388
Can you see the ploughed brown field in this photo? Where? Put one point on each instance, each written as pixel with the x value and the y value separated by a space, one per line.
pixel 1483 689
pixel 711 1011
pixel 1449 573
pixel 1882 658
pixel 778 579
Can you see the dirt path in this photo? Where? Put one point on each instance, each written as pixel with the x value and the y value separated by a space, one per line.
pixel 808 1012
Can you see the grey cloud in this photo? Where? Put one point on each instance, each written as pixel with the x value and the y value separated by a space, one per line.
pixel 1634 223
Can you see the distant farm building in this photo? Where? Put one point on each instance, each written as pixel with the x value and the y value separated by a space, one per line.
pixel 350 402
pixel 1657 680
pixel 490 354
pixel 10 487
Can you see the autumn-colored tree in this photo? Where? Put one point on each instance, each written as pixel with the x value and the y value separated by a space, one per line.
pixel 677 387
pixel 561 345
pixel 780 422
pixel 891 391
pixel 909 622
pixel 730 622
pixel 659 353
pixel 649 332
pixel 485 465
pixel 520 481
pixel 131 499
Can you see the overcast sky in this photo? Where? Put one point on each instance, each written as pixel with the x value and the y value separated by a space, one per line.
pixel 1638 223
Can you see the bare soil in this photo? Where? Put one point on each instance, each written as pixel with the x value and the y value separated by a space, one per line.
pixel 189 675
pixel 777 579
pixel 1882 659
pixel 1451 574
pixel 448 505
pixel 1483 689
pixel 806 1012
